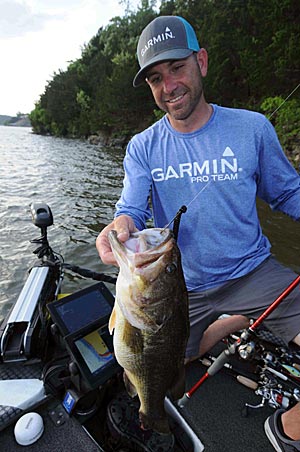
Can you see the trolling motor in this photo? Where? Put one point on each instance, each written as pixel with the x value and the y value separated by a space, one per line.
pixel 23 333
pixel 42 218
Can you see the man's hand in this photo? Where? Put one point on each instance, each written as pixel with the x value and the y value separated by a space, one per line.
pixel 124 225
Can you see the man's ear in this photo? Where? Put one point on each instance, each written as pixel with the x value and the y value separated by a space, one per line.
pixel 202 59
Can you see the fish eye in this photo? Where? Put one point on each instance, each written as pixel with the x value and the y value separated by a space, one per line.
pixel 170 269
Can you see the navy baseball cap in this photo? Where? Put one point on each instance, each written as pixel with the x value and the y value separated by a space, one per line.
pixel 165 38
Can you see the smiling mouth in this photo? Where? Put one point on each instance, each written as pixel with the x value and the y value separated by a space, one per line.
pixel 176 99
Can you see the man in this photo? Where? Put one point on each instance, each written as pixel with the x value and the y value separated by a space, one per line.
pixel 215 161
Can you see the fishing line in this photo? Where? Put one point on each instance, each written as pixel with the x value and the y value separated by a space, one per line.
pixel 284 101
pixel 183 209
pixel 284 307
pixel 199 192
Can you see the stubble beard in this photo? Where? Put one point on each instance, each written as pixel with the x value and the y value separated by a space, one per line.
pixel 183 113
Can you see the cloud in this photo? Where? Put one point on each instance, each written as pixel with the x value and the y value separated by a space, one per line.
pixel 17 18
pixel 40 37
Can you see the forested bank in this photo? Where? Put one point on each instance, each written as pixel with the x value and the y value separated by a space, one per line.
pixel 254 62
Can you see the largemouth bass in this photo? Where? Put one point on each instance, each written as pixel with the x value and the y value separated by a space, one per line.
pixel 150 321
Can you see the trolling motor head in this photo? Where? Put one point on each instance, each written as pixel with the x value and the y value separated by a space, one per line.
pixel 42 218
pixel 41 215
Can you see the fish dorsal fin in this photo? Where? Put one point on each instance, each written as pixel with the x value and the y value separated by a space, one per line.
pixel 112 321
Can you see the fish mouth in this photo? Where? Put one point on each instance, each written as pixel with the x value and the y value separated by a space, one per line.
pixel 142 259
pixel 143 247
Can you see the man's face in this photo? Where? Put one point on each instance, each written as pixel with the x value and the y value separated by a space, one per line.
pixel 177 87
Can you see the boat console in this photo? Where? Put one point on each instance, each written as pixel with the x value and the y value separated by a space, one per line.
pixel 81 319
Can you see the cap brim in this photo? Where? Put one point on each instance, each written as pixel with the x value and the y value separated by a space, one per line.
pixel 174 54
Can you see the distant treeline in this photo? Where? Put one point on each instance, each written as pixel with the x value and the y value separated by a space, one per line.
pixel 254 62
pixel 20 120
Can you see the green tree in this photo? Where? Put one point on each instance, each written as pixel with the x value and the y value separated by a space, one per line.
pixel 253 54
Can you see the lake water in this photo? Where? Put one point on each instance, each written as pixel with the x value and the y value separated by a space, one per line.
pixel 81 183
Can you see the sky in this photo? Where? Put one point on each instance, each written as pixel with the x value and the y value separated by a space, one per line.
pixel 40 37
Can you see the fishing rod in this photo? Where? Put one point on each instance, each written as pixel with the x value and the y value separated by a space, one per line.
pixel 223 358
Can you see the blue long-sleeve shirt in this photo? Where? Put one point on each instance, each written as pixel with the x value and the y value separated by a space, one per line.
pixel 236 156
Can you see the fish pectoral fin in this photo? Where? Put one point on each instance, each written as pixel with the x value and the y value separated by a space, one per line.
pixel 130 388
pixel 112 321
pixel 177 388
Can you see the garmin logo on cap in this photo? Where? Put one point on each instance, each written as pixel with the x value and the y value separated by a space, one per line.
pixel 165 38
pixel 157 39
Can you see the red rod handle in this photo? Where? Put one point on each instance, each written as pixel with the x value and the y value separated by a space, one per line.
pixel 196 385
pixel 187 395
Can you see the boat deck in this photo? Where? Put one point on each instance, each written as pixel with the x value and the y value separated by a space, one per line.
pixel 215 412
pixel 65 436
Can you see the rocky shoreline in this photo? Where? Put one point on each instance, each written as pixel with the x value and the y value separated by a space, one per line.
pixel 101 139
pixel 105 140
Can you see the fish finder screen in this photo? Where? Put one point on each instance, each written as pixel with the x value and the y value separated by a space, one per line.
pixel 83 310
pixel 94 351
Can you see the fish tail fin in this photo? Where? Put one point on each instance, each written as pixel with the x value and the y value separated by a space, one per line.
pixel 159 424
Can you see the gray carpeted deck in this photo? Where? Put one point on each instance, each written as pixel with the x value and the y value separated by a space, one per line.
pixel 215 413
